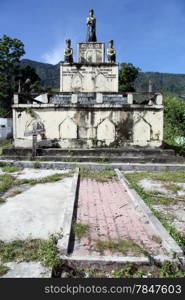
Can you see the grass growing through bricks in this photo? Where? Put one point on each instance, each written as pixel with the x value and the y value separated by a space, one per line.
pixel 157 239
pixel 122 246
pixel 180 175
pixel 80 230
pixel 10 169
pixel 98 175
pixel 31 250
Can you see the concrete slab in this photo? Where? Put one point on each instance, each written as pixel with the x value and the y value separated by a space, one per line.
pixel 175 214
pixel 35 213
pixel 27 270
pixel 153 185
pixel 29 173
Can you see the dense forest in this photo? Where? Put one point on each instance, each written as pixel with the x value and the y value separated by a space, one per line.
pixel 162 82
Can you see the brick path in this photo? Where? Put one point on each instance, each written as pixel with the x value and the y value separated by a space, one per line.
pixel 111 216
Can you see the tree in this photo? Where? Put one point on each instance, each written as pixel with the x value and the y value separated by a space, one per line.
pixel 127 75
pixel 10 52
pixel 24 74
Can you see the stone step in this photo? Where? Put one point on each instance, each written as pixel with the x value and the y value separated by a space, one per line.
pixel 103 159
pixel 105 152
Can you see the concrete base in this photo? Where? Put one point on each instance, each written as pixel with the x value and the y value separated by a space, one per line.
pixel 109 155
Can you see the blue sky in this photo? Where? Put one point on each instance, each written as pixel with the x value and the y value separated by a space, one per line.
pixel 148 33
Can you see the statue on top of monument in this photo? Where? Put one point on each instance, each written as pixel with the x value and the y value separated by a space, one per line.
pixel 91 27
pixel 111 52
pixel 68 52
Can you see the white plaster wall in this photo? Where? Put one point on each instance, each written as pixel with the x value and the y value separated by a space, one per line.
pixel 71 124
pixel 6 128
pixel 148 126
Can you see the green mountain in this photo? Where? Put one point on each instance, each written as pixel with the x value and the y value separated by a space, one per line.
pixel 48 73
pixel 162 82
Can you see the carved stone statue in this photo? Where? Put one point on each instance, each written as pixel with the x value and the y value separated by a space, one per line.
pixel 91 27
pixel 68 52
pixel 111 53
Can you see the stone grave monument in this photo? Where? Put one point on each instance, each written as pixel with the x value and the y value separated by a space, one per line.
pixel 89 111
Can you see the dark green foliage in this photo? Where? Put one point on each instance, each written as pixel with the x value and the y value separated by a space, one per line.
pixel 174 123
pixel 127 75
pixel 48 73
pixel 10 52
pixel 162 82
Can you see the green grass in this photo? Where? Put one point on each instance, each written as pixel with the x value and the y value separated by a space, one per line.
pixel 163 201
pixel 122 246
pixel 36 164
pixel 80 230
pixel 51 178
pixel 30 250
pixel 2 200
pixel 10 169
pixel 98 175
pixel 173 187
pixel 165 270
pixel 4 144
pixel 6 182
pixel 174 176
pixel 3 270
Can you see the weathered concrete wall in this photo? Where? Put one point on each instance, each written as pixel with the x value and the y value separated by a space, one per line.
pixel 6 128
pixel 97 125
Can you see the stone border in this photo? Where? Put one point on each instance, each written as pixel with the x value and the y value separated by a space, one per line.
pixel 107 262
pixel 168 242
pixel 96 166
pixel 63 243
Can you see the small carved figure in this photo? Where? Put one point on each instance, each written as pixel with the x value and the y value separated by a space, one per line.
pixel 91 27
pixel 111 53
pixel 68 52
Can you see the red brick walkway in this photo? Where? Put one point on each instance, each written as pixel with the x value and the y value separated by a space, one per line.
pixel 111 216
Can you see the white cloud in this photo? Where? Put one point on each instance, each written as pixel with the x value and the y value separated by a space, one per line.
pixel 55 55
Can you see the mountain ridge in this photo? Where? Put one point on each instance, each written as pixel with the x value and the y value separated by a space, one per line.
pixel 162 82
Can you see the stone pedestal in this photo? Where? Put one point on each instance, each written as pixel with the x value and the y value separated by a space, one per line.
pixel 89 78
pixel 91 53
